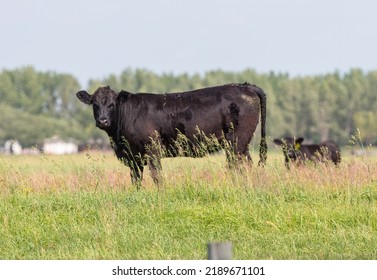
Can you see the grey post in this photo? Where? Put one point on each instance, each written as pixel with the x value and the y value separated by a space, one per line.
pixel 220 251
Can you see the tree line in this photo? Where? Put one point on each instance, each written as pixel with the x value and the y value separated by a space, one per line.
pixel 37 105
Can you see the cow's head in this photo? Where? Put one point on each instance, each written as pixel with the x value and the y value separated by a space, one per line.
pixel 104 103
pixel 291 147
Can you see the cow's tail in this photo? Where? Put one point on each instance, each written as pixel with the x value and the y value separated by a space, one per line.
pixel 263 142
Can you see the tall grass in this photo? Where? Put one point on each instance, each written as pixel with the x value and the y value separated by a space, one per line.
pixel 85 207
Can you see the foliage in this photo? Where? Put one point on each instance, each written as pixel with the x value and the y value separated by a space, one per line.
pixel 32 130
pixel 331 106
pixel 36 105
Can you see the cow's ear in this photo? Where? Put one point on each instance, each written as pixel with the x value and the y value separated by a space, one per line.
pixel 278 141
pixel 299 140
pixel 84 97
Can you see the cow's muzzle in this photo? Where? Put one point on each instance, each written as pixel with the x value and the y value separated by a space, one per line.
pixel 103 123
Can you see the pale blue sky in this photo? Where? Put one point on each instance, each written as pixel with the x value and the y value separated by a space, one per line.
pixel 92 38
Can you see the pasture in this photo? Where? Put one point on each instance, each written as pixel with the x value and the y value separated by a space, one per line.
pixel 84 207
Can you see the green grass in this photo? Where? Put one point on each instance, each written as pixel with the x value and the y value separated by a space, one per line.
pixel 84 207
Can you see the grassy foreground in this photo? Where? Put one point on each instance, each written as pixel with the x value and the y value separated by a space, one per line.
pixel 84 207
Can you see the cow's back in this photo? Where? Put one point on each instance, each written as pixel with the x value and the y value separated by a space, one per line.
pixel 210 110
pixel 213 110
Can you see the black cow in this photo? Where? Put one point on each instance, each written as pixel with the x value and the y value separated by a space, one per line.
pixel 135 123
pixel 294 150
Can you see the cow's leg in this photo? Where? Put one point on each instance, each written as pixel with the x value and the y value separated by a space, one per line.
pixel 286 162
pixel 237 151
pixel 154 163
pixel 136 168
pixel 246 155
pixel 155 151
pixel 235 157
pixel 238 138
pixel 243 155
pixel 230 151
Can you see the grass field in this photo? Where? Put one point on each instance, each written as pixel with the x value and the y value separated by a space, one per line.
pixel 84 207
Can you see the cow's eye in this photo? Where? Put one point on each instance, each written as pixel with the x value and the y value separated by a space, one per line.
pixel 111 106
pixel 95 107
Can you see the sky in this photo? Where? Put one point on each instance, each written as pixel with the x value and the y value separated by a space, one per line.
pixel 92 39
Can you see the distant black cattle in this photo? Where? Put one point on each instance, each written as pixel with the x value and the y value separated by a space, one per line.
pixel 294 150
pixel 228 114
